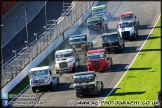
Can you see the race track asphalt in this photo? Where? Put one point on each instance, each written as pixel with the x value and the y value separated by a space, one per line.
pixel 146 12
pixel 53 11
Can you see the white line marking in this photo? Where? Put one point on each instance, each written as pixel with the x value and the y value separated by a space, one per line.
pixel 133 60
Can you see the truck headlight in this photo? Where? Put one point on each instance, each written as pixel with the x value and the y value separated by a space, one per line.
pixel 89 63
pixel 56 66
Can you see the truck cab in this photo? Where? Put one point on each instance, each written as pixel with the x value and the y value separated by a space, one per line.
pixel 85 84
pixel 100 11
pixel 41 78
pixel 65 61
pixel 96 23
pixel 80 44
pixel 128 30
pixel 112 42
pixel 97 60
pixel 128 16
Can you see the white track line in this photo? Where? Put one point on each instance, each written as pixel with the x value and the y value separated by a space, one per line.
pixel 133 60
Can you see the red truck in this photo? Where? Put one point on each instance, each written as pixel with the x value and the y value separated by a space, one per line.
pixel 97 60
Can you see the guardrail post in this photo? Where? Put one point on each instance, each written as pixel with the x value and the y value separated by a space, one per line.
pixel 63 36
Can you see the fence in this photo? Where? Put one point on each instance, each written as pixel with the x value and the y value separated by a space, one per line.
pixel 45 39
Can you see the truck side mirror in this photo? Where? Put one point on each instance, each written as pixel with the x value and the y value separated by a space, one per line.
pixel 72 77
pixel 135 17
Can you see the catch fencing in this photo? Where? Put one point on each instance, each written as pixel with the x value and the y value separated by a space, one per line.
pixel 35 48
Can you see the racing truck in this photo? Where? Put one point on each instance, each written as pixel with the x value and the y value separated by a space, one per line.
pixel 66 61
pixel 80 44
pixel 41 78
pixel 128 16
pixel 98 60
pixel 96 22
pixel 128 30
pixel 85 83
pixel 100 11
pixel 112 42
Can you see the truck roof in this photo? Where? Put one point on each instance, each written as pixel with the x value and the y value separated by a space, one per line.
pixel 60 51
pixel 82 73
pixel 126 13
pixel 109 33
pixel 95 51
pixel 74 36
pixel 93 19
pixel 39 68
pixel 98 7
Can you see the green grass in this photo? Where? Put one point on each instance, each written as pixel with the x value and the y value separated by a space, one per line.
pixel 142 81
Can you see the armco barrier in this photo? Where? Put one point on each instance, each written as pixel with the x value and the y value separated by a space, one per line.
pixel 36 61
pixel 53 32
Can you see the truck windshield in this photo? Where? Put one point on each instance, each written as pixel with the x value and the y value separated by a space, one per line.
pixel 98 10
pixel 39 73
pixel 123 25
pixel 127 17
pixel 95 56
pixel 110 38
pixel 77 40
pixel 66 54
pixel 94 22
pixel 83 78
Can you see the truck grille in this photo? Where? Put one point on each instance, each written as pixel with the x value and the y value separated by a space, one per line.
pixel 39 82
pixel 96 65
pixel 78 45
pixel 125 34
pixel 63 65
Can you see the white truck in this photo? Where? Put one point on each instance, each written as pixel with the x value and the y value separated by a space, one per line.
pixel 128 29
pixel 41 78
pixel 66 61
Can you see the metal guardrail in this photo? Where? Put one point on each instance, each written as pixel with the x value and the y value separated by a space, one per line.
pixel 12 69
pixel 11 58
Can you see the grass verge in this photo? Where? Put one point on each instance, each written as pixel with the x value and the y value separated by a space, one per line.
pixel 142 81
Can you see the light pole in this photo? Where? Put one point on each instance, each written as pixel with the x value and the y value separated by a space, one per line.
pixel 45 13
pixel 27 45
pixel 1 51
pixel 14 51
pixel 36 35
pixel 26 23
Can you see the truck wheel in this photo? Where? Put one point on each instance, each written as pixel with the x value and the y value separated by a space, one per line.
pixel 51 87
pixel 102 85
pixel 33 90
pixel 74 68
pixel 78 62
pixel 92 46
pixel 123 46
pixel 111 61
pixel 58 81
pixel 119 49
pixel 77 95
pixel 134 37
